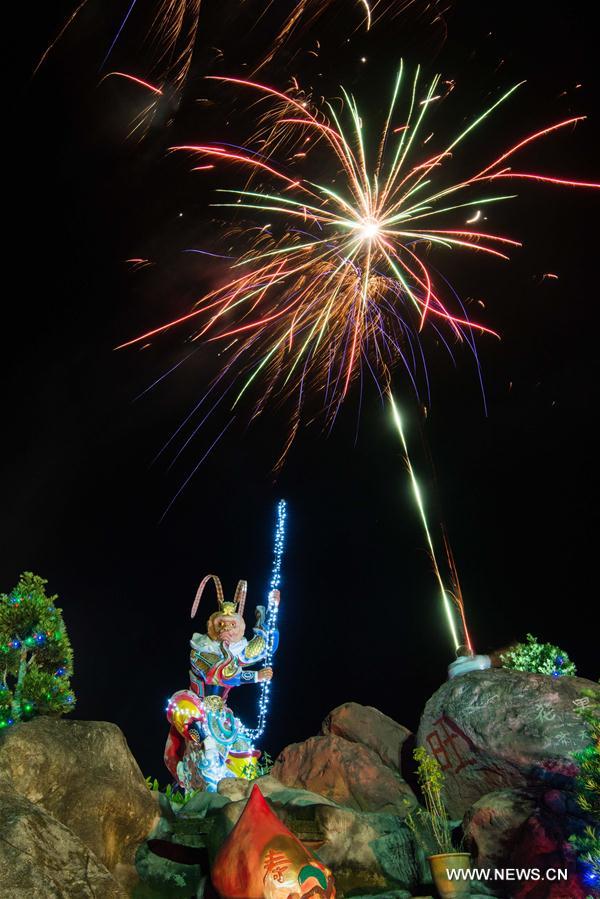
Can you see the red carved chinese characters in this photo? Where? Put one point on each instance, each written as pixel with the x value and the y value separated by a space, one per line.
pixel 450 745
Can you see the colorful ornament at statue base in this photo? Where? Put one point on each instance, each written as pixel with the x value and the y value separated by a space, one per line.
pixel 206 742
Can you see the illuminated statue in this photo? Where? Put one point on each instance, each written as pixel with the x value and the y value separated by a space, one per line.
pixel 206 741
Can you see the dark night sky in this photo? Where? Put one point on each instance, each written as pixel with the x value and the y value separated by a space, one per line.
pixel 360 617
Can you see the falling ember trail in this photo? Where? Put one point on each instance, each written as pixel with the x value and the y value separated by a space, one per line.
pixel 419 500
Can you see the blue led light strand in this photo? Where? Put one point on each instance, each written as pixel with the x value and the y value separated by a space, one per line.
pixel 254 734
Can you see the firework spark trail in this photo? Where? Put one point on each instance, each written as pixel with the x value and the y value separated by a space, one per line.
pixel 457 595
pixel 135 80
pixel 56 39
pixel 196 467
pixel 171 38
pixel 118 33
pixel 309 11
pixel 306 13
pixel 446 602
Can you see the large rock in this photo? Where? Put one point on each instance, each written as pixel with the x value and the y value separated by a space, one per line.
pixel 348 773
pixel 501 729
pixel 367 725
pixel 367 852
pixel 494 824
pixel 515 829
pixel 83 773
pixel 542 844
pixel 42 859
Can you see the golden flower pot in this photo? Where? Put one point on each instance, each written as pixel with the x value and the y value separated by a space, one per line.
pixel 450 886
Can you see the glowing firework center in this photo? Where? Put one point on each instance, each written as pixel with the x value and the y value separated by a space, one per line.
pixel 368 230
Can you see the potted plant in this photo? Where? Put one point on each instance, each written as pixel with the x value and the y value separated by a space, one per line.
pixel 432 829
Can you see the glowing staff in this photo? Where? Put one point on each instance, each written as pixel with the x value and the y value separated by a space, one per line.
pixel 445 600
pixel 271 623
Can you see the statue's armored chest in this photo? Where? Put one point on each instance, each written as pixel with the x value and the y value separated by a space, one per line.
pixel 203 660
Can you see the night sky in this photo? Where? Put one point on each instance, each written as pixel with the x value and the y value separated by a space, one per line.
pixel 82 503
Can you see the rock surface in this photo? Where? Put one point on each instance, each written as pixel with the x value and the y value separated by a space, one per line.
pixel 501 729
pixel 348 773
pixel 367 725
pixel 494 825
pixel 271 788
pixel 542 844
pixel 42 859
pixel 367 851
pixel 83 773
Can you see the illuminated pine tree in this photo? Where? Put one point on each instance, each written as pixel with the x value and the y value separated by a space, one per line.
pixel 36 660
pixel 587 791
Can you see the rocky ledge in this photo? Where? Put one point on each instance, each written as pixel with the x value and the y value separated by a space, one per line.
pixel 77 819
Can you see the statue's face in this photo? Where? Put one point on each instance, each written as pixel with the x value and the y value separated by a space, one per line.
pixel 226 628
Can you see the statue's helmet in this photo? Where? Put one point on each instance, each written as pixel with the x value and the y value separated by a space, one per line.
pixel 228 620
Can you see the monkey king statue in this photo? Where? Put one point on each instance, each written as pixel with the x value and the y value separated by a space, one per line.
pixel 206 741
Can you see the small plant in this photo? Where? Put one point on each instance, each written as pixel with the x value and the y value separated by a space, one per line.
pixel 173 794
pixel 538 658
pixel 36 660
pixel 259 769
pixel 431 826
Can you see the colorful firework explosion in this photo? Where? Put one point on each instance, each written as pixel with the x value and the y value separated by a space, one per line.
pixel 343 284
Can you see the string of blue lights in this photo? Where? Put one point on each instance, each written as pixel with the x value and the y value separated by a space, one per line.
pixel 254 734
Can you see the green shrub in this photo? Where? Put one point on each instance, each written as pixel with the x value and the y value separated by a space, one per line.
pixel 539 658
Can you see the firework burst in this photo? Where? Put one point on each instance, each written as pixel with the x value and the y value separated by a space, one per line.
pixel 335 279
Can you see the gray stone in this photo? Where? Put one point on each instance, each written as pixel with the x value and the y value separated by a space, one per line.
pixel 166 877
pixel 203 804
pixel 502 729
pixel 367 725
pixel 42 859
pixel 83 773
pixel 366 852
pixel 272 789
